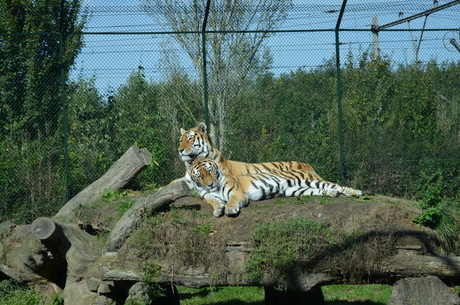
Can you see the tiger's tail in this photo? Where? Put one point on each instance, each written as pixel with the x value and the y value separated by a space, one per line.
pixel 333 190
pixel 320 187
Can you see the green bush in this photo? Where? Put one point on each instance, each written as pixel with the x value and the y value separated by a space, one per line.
pixel 281 247
pixel 431 194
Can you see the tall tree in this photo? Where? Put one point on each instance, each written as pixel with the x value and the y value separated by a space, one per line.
pixel 231 56
pixel 30 61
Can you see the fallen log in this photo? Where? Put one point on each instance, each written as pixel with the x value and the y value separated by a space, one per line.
pixel 48 255
pixel 119 176
pixel 405 264
pixel 54 253
pixel 388 247
pixel 143 207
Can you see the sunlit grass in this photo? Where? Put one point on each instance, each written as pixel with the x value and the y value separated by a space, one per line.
pixel 357 294
pixel 333 294
pixel 221 295
pixel 17 294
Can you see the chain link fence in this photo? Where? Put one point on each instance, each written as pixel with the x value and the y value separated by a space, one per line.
pixel 366 92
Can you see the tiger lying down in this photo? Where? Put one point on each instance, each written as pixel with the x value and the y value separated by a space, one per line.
pixel 196 143
pixel 228 194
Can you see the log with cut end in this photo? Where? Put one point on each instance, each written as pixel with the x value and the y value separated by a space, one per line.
pixel 46 230
pixel 73 248
pixel 119 175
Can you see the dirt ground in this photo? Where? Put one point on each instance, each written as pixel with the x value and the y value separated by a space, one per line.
pixel 367 213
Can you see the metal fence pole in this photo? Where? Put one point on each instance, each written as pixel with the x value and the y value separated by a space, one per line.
pixel 63 100
pixel 339 93
pixel 205 72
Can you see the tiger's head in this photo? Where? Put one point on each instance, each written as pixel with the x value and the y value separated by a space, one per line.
pixel 194 143
pixel 205 174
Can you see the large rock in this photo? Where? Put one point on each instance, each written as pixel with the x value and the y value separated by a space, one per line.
pixel 428 290
pixel 91 291
pixel 139 293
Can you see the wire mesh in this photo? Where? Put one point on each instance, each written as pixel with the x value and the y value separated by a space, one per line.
pixel 133 75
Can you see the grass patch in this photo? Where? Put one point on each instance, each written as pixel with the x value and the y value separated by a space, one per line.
pixel 333 295
pixel 279 246
pixel 357 294
pixel 221 295
pixel 18 294
pixel 179 238
pixel 284 248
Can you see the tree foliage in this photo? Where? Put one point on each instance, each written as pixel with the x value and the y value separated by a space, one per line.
pixel 231 57
pixel 30 61
pixel 32 32
pixel 398 128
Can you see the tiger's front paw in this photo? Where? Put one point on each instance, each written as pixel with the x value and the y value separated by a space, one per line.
pixel 232 211
pixel 218 212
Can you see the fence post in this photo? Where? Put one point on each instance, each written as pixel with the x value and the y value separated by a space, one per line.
pixel 63 100
pixel 205 72
pixel 339 93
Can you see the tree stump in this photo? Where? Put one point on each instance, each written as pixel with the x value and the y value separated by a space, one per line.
pixel 66 250
pixel 46 230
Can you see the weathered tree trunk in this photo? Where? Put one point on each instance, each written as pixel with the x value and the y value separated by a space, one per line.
pixel 119 175
pixel 47 230
pixel 73 248
pixel 49 255
pixel 143 206
pixel 113 267
pixel 54 254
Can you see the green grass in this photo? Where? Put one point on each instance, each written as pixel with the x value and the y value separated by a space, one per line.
pixel 333 294
pixel 221 295
pixel 18 294
pixel 357 294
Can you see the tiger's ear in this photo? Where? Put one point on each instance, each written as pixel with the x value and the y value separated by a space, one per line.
pixel 182 131
pixel 202 127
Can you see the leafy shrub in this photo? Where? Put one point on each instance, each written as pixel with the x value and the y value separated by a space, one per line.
pixel 281 244
pixel 431 194
pixel 439 213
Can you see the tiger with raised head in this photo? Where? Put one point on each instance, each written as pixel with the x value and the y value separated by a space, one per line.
pixel 195 143
pixel 228 194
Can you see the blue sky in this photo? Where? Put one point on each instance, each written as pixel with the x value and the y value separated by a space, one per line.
pixel 111 58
